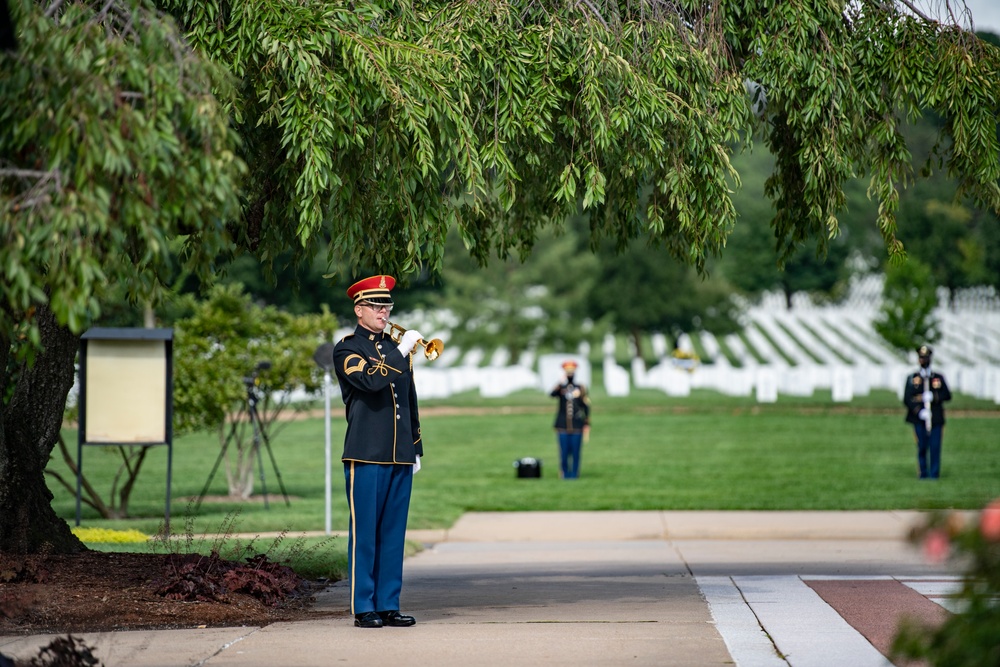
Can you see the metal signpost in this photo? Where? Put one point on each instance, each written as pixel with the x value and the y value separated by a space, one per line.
pixel 324 358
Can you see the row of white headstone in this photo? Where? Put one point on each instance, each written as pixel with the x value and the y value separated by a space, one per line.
pixel 833 349
pixel 795 352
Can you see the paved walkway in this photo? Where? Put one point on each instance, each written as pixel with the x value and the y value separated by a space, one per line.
pixel 604 588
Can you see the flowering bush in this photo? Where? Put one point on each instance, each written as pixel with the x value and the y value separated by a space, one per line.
pixel 109 536
pixel 971 636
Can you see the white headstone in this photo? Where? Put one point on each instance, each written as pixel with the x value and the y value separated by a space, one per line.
pixel 616 381
pixel 659 345
pixel 842 384
pixel 766 385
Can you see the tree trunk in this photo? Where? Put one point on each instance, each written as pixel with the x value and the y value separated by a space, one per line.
pixel 132 461
pixel 637 342
pixel 240 458
pixel 29 429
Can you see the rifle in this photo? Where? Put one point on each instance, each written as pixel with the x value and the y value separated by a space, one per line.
pixel 927 396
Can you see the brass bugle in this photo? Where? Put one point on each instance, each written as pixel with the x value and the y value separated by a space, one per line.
pixel 432 348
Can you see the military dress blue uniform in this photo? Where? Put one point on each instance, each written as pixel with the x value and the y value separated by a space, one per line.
pixel 572 419
pixel 381 447
pixel 928 440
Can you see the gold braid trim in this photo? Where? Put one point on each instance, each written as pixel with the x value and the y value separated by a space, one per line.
pixel 382 367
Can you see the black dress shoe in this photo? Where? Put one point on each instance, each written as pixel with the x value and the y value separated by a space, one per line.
pixel 369 619
pixel 396 620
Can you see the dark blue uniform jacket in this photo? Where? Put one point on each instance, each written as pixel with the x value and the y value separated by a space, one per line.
pixel 574 407
pixel 376 383
pixel 913 398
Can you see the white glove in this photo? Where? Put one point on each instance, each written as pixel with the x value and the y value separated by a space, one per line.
pixel 416 466
pixel 407 342
pixel 928 396
pixel 923 414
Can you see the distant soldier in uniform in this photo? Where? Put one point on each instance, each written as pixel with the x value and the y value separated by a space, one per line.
pixel 572 420
pixel 382 451
pixel 924 397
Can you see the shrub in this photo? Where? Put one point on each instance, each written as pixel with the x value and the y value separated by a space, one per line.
pixel 971 636
pixel 194 577
pixel 906 318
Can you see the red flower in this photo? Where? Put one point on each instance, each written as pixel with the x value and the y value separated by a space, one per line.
pixel 989 521
pixel 937 546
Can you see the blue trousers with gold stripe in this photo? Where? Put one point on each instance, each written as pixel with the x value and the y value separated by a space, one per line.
pixel 378 497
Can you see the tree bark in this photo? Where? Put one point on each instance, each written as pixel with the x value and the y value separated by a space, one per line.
pixel 637 341
pixel 29 429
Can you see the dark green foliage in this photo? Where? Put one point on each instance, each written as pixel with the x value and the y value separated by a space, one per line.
pixel 643 290
pixel 367 130
pixel 216 351
pixel 116 150
pixel 906 318
pixel 521 305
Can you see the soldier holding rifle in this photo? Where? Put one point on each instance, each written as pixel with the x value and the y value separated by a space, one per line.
pixel 924 397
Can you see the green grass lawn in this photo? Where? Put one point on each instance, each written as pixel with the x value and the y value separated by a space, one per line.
pixel 646 452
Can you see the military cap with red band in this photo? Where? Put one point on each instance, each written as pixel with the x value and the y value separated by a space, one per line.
pixel 373 290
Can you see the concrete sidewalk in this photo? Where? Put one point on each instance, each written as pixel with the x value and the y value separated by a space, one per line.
pixel 597 588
